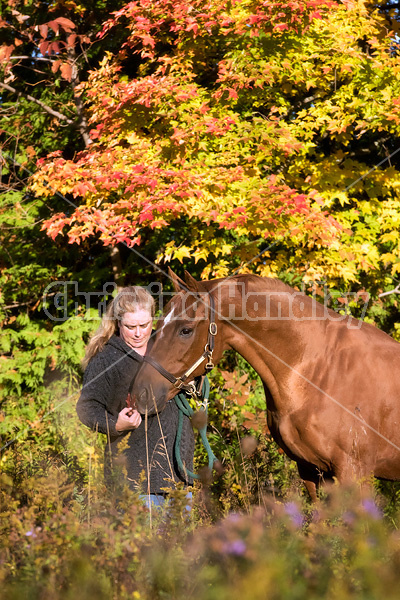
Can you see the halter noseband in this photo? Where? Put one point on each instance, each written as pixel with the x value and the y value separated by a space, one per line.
pixel 179 382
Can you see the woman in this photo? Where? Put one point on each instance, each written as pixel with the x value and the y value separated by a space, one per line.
pixel 112 360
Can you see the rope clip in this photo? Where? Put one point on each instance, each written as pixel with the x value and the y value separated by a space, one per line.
pixel 209 364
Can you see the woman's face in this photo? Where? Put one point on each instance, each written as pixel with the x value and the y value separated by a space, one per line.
pixel 135 329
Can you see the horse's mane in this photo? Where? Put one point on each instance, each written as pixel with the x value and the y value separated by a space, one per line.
pixel 270 284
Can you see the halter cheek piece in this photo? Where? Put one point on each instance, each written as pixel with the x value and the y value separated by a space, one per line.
pixel 180 382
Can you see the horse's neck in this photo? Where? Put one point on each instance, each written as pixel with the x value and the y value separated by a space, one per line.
pixel 260 329
pixel 262 344
pixel 261 320
pixel 275 357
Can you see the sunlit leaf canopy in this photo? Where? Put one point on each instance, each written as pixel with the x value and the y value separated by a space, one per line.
pixel 255 123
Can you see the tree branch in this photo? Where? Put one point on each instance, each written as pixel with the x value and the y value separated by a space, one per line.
pixel 82 121
pixel 52 112
pixel 32 58
pixel 396 290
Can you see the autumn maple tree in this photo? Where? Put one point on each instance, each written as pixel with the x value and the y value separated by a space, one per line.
pixel 181 141
pixel 255 124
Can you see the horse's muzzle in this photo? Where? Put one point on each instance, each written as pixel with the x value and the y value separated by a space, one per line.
pixel 143 402
pixel 147 401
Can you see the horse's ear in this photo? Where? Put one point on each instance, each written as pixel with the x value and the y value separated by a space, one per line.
pixel 179 285
pixel 192 285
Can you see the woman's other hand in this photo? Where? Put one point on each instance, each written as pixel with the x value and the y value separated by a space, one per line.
pixel 128 419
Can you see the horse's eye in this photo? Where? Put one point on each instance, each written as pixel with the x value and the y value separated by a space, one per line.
pixel 185 331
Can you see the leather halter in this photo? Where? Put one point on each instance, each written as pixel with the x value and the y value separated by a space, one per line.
pixel 180 382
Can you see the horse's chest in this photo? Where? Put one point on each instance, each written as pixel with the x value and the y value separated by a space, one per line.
pixel 297 441
pixel 280 431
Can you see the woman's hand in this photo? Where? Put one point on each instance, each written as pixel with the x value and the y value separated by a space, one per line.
pixel 128 419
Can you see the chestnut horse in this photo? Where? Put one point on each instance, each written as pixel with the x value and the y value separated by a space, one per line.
pixel 332 397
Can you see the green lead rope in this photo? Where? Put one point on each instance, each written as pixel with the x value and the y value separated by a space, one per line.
pixel 185 409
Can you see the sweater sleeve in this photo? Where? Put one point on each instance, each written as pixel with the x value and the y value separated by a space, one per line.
pixel 93 406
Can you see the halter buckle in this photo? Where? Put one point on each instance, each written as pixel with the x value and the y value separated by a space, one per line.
pixel 213 328
pixel 179 383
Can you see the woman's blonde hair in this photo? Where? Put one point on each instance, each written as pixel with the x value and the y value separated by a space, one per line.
pixel 129 299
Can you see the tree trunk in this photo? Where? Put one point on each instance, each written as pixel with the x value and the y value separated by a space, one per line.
pixel 117 266
pixel 82 121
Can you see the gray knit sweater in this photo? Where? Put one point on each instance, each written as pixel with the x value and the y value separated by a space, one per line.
pixel 105 388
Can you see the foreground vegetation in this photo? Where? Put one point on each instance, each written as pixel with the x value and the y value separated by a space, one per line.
pixel 60 544
pixel 251 534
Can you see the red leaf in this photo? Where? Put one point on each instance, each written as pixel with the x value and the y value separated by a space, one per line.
pixel 79 189
pixel 71 39
pixel 148 40
pixel 158 223
pixel 192 27
pixel 54 25
pixel 281 27
pixel 54 48
pixel 66 24
pixel 43 48
pixel 43 29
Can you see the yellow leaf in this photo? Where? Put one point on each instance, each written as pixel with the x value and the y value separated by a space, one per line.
pixel 200 253
pixel 392 236
pixel 182 252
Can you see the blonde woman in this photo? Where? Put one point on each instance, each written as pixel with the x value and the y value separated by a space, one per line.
pixel 112 360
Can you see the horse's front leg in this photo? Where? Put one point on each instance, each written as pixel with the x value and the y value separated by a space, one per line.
pixel 312 478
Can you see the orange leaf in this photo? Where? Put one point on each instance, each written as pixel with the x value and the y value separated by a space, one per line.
pixel 66 71
pixel 55 65
pixel 241 400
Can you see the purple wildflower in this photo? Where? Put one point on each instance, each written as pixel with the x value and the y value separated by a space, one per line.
pixel 237 547
pixel 233 517
pixel 31 533
pixel 294 513
pixel 371 508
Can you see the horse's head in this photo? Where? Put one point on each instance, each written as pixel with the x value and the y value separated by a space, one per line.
pixel 180 341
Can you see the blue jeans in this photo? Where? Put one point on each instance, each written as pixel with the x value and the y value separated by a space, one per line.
pixel 158 501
